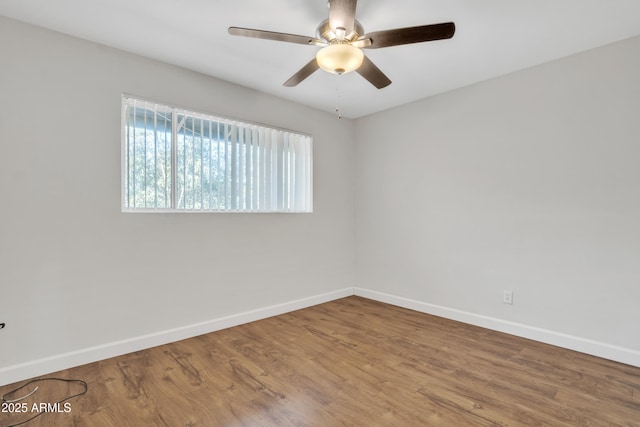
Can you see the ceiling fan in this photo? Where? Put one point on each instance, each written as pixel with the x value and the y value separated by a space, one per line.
pixel 342 39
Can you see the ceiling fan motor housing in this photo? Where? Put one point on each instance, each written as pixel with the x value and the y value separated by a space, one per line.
pixel 325 32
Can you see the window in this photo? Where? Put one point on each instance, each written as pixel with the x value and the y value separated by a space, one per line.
pixel 178 160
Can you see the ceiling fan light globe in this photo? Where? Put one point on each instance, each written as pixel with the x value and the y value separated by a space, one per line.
pixel 339 58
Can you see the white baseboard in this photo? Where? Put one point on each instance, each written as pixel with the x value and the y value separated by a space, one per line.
pixel 34 368
pixel 583 345
pixel 22 371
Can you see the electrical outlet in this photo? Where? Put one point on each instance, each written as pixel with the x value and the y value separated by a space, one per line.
pixel 507 297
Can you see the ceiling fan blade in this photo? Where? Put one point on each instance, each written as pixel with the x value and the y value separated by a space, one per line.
pixel 372 73
pixel 271 35
pixel 400 36
pixel 302 74
pixel 342 14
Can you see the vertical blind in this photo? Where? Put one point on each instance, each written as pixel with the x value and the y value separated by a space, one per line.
pixel 180 160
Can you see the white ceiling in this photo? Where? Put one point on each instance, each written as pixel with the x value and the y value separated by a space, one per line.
pixel 493 37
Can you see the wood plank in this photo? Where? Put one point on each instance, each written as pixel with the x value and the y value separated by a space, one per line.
pixel 348 362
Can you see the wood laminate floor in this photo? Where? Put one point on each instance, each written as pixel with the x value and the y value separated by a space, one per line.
pixel 350 362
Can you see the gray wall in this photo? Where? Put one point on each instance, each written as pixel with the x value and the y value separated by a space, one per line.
pixel 528 182
pixel 75 272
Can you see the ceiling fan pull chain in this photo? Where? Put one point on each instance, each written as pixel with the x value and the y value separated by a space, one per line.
pixel 338 99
